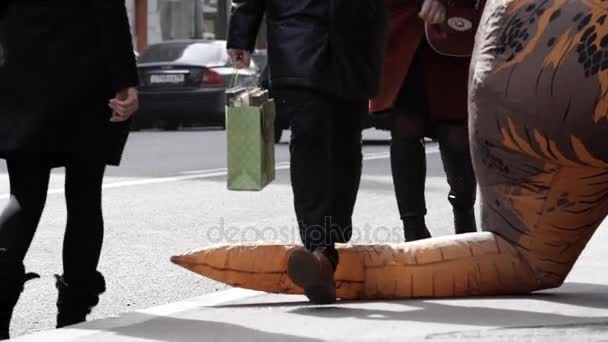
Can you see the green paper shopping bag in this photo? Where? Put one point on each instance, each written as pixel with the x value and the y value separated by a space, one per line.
pixel 250 134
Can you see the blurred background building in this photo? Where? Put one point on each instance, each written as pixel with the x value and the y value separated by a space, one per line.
pixel 154 21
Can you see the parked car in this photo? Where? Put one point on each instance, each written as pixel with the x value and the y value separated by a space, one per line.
pixel 260 58
pixel 184 83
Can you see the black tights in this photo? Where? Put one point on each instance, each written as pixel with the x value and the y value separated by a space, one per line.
pixel 29 179
pixel 408 161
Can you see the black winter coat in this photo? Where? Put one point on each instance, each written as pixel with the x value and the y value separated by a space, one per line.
pixel 62 61
pixel 335 46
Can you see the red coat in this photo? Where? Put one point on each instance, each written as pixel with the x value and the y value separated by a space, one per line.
pixel 446 78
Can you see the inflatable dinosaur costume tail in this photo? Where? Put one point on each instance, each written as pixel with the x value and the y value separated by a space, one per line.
pixel 454 266
pixel 538 125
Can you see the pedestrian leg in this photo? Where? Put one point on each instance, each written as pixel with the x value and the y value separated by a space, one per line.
pixel 346 156
pixel 81 284
pixel 408 165
pixel 311 123
pixel 456 157
pixel 29 178
pixel 312 267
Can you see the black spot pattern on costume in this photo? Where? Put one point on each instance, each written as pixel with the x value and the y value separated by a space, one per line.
pixel 517 33
pixel 592 51
pixel 584 22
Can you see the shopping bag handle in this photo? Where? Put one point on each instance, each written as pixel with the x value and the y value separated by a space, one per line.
pixel 235 78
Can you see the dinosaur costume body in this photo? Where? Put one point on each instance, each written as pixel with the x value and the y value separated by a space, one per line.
pixel 539 134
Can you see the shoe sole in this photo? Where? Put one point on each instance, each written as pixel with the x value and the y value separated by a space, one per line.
pixel 304 271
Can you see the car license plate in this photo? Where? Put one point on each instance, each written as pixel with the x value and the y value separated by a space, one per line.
pixel 168 78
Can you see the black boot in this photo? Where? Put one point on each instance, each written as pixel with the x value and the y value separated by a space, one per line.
pixel 462 199
pixel 12 280
pixel 460 175
pixel 464 221
pixel 415 229
pixel 77 297
pixel 408 164
pixel 11 291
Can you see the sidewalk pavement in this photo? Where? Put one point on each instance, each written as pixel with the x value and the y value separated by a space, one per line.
pixel 578 311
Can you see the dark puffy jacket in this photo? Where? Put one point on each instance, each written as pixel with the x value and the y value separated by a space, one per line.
pixel 334 46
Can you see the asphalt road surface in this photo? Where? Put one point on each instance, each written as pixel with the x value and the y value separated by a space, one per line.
pixel 169 196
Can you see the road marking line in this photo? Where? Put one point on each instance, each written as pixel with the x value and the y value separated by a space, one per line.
pixel 149 181
pixel 202 171
pixel 203 174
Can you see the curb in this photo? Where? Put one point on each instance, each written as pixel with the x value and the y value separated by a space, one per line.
pixel 83 330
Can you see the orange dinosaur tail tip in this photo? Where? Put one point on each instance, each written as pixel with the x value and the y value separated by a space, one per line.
pixel 177 259
pixel 260 266
pixel 253 257
pixel 188 259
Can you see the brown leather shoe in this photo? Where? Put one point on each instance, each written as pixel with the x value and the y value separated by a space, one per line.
pixel 314 273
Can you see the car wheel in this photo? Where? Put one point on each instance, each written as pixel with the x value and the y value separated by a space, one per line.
pixel 278 134
pixel 137 124
pixel 170 125
pixel 222 121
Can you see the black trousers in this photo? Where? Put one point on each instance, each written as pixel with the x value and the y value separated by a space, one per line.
pixel 326 162
pixel 29 179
